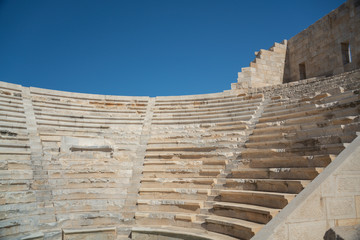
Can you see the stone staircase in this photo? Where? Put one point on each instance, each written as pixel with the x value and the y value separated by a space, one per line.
pixel 267 69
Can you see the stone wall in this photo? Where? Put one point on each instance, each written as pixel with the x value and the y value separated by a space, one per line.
pixel 319 47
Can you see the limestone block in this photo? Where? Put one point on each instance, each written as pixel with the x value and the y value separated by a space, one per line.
pixel 282 232
pixel 307 230
pixel 313 209
pixel 341 207
pixel 348 184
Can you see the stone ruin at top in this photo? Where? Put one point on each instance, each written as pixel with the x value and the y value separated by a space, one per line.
pixel 275 157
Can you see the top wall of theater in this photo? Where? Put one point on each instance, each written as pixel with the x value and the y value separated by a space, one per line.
pixel 330 46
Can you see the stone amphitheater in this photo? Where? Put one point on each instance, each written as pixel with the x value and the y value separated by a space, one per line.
pixel 275 157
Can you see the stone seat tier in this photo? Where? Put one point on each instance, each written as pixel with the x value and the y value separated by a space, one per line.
pixel 288 152
pixel 246 212
pixel 296 113
pixel 266 185
pixel 14 152
pixel 183 233
pixel 14 115
pixel 230 123
pixel 197 121
pixel 11 105
pixel 179 219
pixel 170 205
pixel 17 119
pixel 88 120
pixel 10 98
pixel 92 105
pixel 207 113
pixel 289 162
pixel 259 198
pixel 307 173
pixel 218 97
pixel 210 115
pixel 180 147
pixel 199 105
pixel 181 173
pixel 198 183
pixel 159 135
pixel 12 110
pixel 234 127
pixel 300 143
pixel 157 163
pixel 76 124
pixel 173 193
pixel 11 125
pixel 44 107
pixel 195 111
pixel 322 120
pixel 190 167
pixel 184 155
pixel 292 133
pixel 51 114
pixel 238 228
pixel 289 106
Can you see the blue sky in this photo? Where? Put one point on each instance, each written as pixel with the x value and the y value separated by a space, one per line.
pixel 143 48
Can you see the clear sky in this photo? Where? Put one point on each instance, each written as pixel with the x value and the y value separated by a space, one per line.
pixel 143 47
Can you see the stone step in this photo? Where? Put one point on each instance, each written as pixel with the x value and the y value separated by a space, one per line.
pixel 244 211
pixel 265 199
pixel 301 105
pixel 300 143
pixel 184 155
pixel 276 173
pixel 211 111
pixel 232 107
pixel 155 218
pixel 323 120
pixel 289 152
pixel 12 144
pixel 199 183
pixel 290 162
pixel 238 102
pixel 181 173
pixel 298 113
pixel 16 111
pixel 184 163
pixel 196 99
pixel 169 205
pixel 231 128
pixel 11 125
pixel 181 167
pixel 74 125
pixel 196 116
pixel 86 120
pixel 171 232
pixel 180 147
pixel 234 227
pixel 198 121
pixel 266 185
pixel 173 193
pixel 291 134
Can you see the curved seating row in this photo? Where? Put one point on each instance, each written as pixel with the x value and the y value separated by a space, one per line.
pixel 222 164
